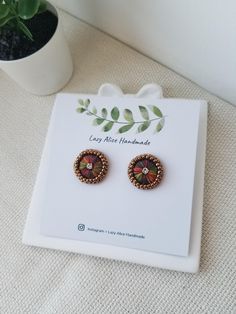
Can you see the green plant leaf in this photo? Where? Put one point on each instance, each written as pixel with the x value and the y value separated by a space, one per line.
pixel 156 111
pixel 25 30
pixel 98 121
pixel 87 103
pixel 107 127
pixel 94 110
pixel 125 128
pixel 81 102
pixel 144 126
pixel 144 112
pixel 104 113
pixel 42 6
pixel 6 19
pixel 4 10
pixel 80 110
pixel 160 125
pixel 128 115
pixel 27 8
pixel 115 113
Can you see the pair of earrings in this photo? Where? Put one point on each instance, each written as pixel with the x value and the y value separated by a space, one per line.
pixel 144 171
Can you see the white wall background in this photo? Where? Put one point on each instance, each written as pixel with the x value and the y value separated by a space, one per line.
pixel 196 38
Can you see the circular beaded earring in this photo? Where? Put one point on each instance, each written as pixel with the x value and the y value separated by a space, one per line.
pixel 145 171
pixel 91 166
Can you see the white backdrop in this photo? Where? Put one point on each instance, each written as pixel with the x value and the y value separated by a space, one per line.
pixel 195 38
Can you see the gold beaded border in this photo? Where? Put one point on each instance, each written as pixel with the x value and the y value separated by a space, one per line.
pixel 160 172
pixel 103 172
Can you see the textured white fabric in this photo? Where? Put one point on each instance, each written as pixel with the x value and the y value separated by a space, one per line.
pixel 34 280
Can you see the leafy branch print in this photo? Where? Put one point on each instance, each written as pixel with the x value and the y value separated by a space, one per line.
pixel 150 114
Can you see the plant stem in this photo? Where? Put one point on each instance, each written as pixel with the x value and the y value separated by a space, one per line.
pixel 120 122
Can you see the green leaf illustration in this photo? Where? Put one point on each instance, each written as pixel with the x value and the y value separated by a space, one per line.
pixel 94 110
pixel 160 125
pixel 128 115
pixel 81 102
pixel 156 111
pixel 107 127
pixel 144 126
pixel 101 117
pixel 98 121
pixel 86 103
pixel 80 110
pixel 115 113
pixel 125 128
pixel 144 112
pixel 104 113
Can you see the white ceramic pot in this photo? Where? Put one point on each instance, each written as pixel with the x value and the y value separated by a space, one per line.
pixel 47 70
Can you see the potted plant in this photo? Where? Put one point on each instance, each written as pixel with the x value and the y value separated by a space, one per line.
pixel 33 50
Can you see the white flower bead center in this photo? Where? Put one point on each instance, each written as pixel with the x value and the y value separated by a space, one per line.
pixel 145 171
pixel 89 166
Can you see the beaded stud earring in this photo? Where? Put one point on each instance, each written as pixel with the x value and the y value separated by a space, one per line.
pixel 91 166
pixel 145 171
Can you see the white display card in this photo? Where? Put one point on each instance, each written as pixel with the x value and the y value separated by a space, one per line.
pixel 114 212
